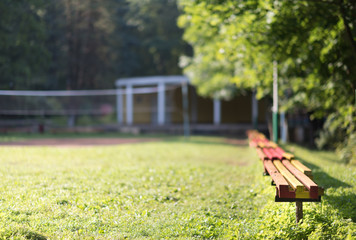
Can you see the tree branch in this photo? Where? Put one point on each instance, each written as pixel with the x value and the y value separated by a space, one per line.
pixel 347 29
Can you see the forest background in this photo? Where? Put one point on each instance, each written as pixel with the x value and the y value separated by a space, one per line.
pixel 86 44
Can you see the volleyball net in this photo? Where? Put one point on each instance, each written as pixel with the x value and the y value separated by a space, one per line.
pixel 57 109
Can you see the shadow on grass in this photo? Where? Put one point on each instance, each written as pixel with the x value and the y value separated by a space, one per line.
pixel 322 178
pixel 341 196
pixel 213 141
pixel 22 233
pixel 345 203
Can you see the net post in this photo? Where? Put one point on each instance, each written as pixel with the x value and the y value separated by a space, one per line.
pixel 185 109
pixel 275 102
pixel 119 106
pixel 254 110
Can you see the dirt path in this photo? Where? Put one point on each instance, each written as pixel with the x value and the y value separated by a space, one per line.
pixel 76 141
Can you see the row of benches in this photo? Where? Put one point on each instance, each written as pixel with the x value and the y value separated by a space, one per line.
pixel 293 180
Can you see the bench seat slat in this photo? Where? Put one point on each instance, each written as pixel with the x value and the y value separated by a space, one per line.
pixel 272 154
pixel 279 150
pixel 267 152
pixel 288 156
pixel 298 186
pixel 305 180
pixel 283 189
pixel 301 167
pixel 275 154
pixel 261 144
pixel 261 154
pixel 266 144
pixel 273 145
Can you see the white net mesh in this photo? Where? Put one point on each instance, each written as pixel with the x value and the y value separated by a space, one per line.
pixel 80 108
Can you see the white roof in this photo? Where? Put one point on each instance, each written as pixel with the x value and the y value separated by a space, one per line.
pixel 151 80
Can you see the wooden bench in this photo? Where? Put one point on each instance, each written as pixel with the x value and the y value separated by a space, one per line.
pixel 293 180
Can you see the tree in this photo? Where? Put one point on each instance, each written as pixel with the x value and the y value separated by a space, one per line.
pixel 320 64
pixel 236 41
pixel 22 36
pixel 227 47
pixel 88 30
pixel 148 39
pixel 54 18
pixel 86 44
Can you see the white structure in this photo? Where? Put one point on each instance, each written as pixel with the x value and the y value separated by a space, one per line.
pixel 217 111
pixel 129 85
pixel 254 116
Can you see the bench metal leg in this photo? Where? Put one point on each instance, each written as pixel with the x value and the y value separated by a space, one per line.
pixel 298 211
pixel 265 173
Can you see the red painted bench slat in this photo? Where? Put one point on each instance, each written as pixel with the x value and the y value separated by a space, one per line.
pixel 267 152
pixel 261 154
pixel 281 183
pixel 307 182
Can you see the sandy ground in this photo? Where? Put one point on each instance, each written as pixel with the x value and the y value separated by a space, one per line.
pixel 76 141
pixel 96 141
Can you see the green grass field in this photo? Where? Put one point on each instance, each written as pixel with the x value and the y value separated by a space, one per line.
pixel 173 188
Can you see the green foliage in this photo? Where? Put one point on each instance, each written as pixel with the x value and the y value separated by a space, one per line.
pixel 155 42
pixel 227 51
pixel 319 63
pixel 312 41
pixel 318 223
pixel 348 150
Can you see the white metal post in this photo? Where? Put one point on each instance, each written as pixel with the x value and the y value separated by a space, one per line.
pixel 129 104
pixel 194 107
pixel 161 103
pixel 217 111
pixel 275 102
pixel 283 127
pixel 254 110
pixel 119 106
pixel 185 104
